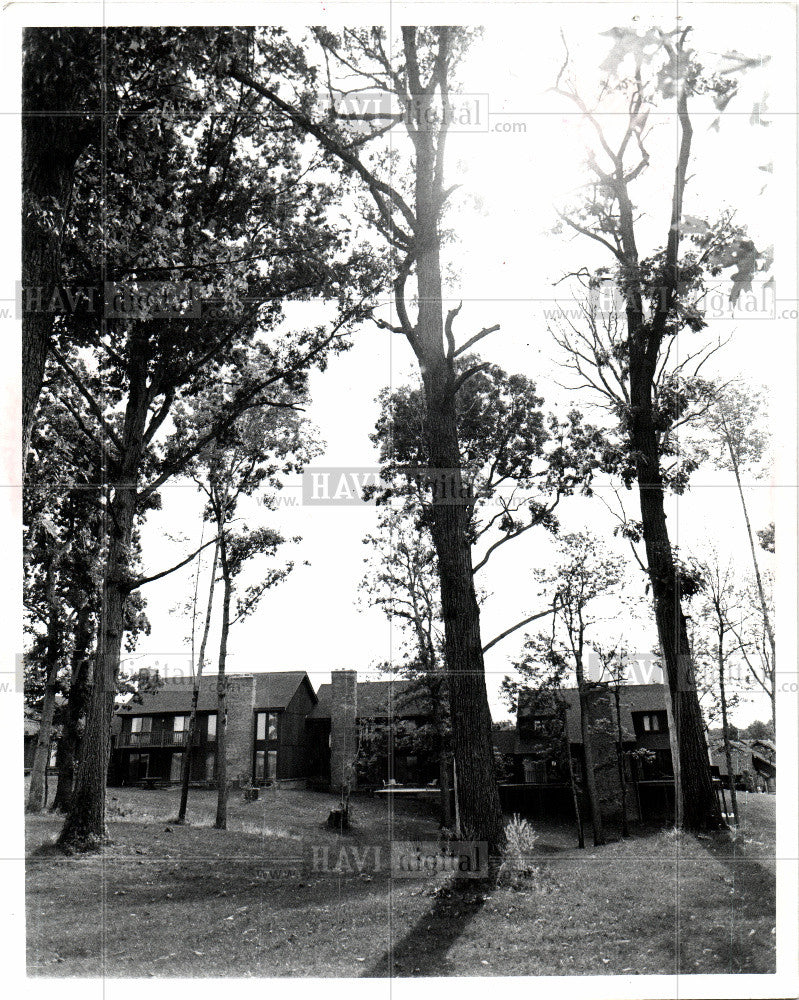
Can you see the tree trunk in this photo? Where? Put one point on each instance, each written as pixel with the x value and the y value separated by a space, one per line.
pixel 51 145
pixel 588 759
pixel 84 828
pixel 767 624
pixel 625 831
pixel 221 724
pixel 446 789
pixel 443 756
pixel 758 578
pixel 700 807
pixel 573 784
pixel 37 790
pixel 693 784
pixel 195 697
pixel 725 730
pixel 41 759
pixel 480 809
pixel 69 744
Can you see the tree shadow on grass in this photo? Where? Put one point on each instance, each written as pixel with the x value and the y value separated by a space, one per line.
pixel 740 938
pixel 422 950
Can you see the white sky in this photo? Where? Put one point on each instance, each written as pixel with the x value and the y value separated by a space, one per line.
pixel 507 263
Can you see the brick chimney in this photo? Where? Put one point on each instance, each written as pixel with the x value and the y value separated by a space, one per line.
pixel 240 722
pixel 343 729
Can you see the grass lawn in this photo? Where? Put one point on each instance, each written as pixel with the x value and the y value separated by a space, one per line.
pixel 165 900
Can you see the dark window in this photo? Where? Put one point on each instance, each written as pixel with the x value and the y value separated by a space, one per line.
pixel 265 765
pixel 655 765
pixel 139 766
pixel 535 771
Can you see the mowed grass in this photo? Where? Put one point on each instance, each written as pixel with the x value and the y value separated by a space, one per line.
pixel 165 900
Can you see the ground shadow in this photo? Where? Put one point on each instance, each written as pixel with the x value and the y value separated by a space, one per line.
pixel 422 950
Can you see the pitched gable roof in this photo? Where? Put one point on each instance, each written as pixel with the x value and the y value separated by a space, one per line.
pixel 272 690
pixel 276 690
pixel 376 700
pixel 633 698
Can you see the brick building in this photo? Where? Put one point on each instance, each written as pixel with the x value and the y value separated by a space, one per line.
pixel 347 713
pixel 266 732
pixel 536 761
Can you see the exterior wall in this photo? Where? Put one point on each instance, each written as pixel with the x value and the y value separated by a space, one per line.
pixel 240 727
pixel 293 752
pixel 551 793
pixel 318 736
pixel 343 729
pixel 161 752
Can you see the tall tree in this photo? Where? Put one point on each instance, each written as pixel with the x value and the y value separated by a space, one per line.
pixel 583 572
pixel 755 642
pixel 613 661
pixel 544 671
pixel 248 459
pixel 721 614
pixel 83 93
pixel 185 773
pixel 416 79
pixel 658 298
pixel 217 213
pixel 739 441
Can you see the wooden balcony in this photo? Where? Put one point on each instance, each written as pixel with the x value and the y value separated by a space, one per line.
pixel 155 738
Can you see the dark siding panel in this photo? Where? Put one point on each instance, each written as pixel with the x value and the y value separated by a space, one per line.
pixel 292 757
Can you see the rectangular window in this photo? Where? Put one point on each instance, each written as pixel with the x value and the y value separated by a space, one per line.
pixel 139 766
pixel 266 726
pixel 259 765
pixel 271 764
pixel 212 727
pixel 210 760
pixel 175 767
pixel 140 729
pixel 651 722
pixel 180 723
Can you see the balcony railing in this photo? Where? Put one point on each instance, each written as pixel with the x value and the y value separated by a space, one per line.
pixel 157 738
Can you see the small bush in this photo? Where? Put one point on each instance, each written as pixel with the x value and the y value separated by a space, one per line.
pixel 517 862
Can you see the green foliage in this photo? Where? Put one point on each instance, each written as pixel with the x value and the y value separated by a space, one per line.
pixel 518 461
pixel 766 537
pixel 518 866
